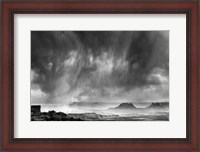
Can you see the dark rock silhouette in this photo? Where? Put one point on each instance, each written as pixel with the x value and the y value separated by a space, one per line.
pixel 159 105
pixel 35 108
pixel 125 106
pixel 52 116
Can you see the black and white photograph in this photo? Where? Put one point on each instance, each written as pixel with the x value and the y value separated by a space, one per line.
pixel 99 76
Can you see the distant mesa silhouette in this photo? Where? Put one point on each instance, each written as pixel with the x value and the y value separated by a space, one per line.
pixel 159 105
pixel 125 106
pixel 84 104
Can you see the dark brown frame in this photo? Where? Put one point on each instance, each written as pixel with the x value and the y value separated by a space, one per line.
pixel 11 7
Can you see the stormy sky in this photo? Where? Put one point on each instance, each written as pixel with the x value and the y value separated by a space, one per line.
pixel 99 66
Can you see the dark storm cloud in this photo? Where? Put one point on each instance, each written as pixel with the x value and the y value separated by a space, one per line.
pixel 50 49
pixel 102 41
pixel 148 50
pixel 99 60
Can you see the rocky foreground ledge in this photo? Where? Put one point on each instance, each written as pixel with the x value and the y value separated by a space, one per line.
pixel 60 116
pixel 52 116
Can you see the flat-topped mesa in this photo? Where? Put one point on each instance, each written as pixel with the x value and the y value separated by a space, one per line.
pixel 126 106
pixel 159 105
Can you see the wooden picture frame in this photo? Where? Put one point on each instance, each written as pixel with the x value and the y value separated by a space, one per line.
pixel 9 8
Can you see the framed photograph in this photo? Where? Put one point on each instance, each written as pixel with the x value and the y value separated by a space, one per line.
pixel 100 76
